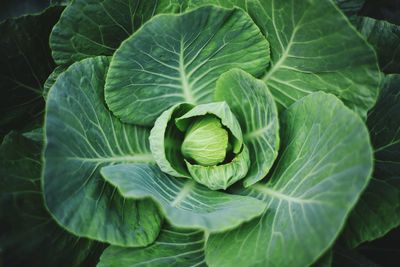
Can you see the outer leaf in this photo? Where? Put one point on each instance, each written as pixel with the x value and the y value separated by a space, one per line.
pixel 383 123
pixel 323 168
pixel 178 58
pixel 388 10
pixel 81 137
pixel 185 203
pixel 173 247
pixel 350 7
pixel 10 8
pixel 385 37
pixel 378 210
pixel 350 258
pixel 310 52
pixel 90 28
pixel 255 109
pixel 325 260
pixel 25 63
pixel 28 235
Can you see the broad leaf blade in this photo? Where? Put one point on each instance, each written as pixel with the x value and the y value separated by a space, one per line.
pixel 178 58
pixel 310 53
pixel 385 37
pixel 81 137
pixel 378 210
pixel 89 28
pixel 28 235
pixel 350 7
pixel 173 247
pixel 185 203
pixel 255 109
pixel 324 165
pixel 25 63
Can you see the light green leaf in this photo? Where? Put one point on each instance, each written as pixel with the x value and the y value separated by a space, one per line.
pixel 185 203
pixel 81 137
pixel 173 247
pixel 222 111
pixel 254 107
pixel 25 63
pixel 385 37
pixel 310 53
pixel 29 236
pixel 178 58
pixel 89 28
pixel 378 210
pixel 166 141
pixel 206 141
pixel 324 165
pixel 224 175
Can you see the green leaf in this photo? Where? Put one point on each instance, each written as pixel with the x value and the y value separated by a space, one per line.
pixel 52 79
pixel 385 37
pixel 350 258
pixel 224 175
pixel 383 123
pixel 388 10
pixel 324 165
pixel 378 210
pixel 90 28
pixel 350 7
pixel 223 112
pixel 12 9
pixel 81 137
pixel 311 52
pixel 325 260
pixel 206 141
pixel 254 107
pixel 166 141
pixel 25 63
pixel 178 58
pixel 185 203
pixel 173 247
pixel 29 236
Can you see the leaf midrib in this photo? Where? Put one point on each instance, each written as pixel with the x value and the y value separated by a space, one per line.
pixel 185 83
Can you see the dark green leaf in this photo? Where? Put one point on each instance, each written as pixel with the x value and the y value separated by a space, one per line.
pixel 385 37
pixel 378 210
pixel 28 234
pixel 90 28
pixel 25 63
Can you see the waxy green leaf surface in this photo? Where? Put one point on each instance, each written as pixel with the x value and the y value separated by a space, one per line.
pixel 184 202
pixel 324 165
pixel 178 58
pixel 81 137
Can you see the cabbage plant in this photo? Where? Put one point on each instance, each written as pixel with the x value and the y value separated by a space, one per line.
pixel 209 133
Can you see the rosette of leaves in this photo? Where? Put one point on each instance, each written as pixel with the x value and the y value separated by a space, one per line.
pixel 172 150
